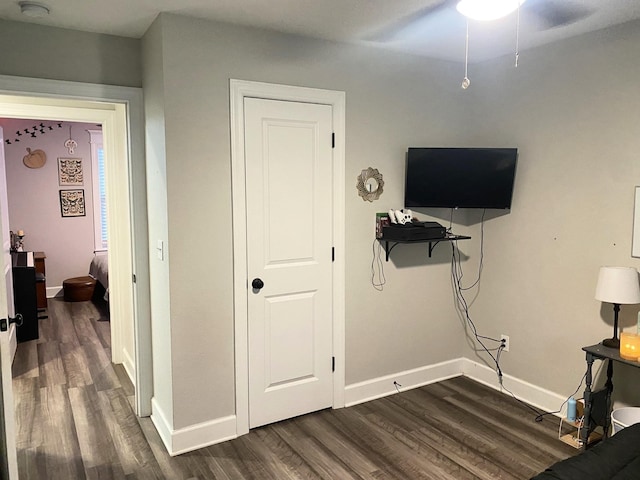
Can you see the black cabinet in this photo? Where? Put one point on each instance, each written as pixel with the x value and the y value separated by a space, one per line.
pixel 24 295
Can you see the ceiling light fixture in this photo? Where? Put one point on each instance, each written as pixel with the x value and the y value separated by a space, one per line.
pixel 33 10
pixel 486 10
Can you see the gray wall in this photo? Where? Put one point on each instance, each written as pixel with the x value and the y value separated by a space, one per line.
pixel 572 210
pixel 392 101
pixel 156 173
pixel 573 109
pixel 29 50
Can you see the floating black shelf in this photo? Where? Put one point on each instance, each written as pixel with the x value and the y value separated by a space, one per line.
pixel 390 244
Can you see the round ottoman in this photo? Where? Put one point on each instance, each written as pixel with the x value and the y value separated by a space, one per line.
pixel 78 289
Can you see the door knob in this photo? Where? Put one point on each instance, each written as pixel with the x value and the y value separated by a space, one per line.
pixel 257 284
pixel 4 323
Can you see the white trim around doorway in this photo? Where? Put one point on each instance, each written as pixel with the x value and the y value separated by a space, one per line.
pixel 239 90
pixel 120 110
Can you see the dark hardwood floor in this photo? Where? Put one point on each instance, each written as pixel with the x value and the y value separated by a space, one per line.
pixel 75 421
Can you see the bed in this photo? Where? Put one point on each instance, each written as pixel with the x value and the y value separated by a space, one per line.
pixel 99 269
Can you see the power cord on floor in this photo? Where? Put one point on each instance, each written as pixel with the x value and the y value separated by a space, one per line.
pixel 540 415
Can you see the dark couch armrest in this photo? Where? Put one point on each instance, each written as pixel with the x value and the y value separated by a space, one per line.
pixel 616 458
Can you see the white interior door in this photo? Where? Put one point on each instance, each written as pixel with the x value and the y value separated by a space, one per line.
pixel 6 247
pixel 288 155
pixel 8 454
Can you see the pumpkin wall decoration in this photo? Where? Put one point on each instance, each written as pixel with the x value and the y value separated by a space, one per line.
pixel 35 158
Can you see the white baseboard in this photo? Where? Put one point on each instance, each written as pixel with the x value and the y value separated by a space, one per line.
pixel 163 427
pixel 534 395
pixel 222 429
pixel 193 437
pixel 383 386
pixel 53 292
pixel 129 366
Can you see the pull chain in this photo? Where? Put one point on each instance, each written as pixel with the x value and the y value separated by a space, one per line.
pixel 518 36
pixel 465 81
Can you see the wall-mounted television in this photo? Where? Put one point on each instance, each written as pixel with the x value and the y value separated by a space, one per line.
pixel 460 177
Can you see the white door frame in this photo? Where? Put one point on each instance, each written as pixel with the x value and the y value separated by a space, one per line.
pixel 120 110
pixel 8 341
pixel 239 89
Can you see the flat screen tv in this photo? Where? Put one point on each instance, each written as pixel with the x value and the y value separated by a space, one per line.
pixel 460 177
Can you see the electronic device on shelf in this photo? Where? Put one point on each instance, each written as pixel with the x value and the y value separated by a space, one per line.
pixel 390 232
pixel 460 177
pixel 414 231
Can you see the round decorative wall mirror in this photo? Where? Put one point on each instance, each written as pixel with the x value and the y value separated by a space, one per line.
pixel 370 184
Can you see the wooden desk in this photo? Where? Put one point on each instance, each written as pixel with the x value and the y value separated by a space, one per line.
pixel 597 405
pixel 41 287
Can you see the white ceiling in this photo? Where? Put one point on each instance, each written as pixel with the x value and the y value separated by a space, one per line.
pixel 440 34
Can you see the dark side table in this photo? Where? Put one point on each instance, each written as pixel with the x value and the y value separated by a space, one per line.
pixel 597 405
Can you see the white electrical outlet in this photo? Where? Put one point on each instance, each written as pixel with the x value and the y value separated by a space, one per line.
pixel 505 342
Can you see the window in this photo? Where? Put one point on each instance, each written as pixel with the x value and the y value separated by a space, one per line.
pixel 99 191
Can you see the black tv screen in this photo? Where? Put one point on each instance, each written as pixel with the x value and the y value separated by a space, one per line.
pixel 460 177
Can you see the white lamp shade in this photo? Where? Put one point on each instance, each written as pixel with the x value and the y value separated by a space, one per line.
pixel 618 285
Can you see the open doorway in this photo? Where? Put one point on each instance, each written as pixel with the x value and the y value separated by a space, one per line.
pixel 119 110
pixel 121 290
pixel 56 200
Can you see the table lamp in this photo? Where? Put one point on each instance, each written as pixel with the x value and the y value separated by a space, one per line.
pixel 617 285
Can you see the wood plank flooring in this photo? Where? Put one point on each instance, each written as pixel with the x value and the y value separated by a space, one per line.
pixel 75 421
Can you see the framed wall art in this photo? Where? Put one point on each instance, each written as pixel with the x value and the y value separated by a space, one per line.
pixel 72 203
pixel 70 171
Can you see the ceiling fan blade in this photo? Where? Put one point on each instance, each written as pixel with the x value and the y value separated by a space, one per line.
pixel 395 29
pixel 555 13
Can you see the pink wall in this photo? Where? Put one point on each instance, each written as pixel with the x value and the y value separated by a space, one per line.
pixel 34 201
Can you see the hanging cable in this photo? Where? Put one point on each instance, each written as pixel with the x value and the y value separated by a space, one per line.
pixel 377 267
pixel 451 221
pixel 463 307
pixel 481 264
